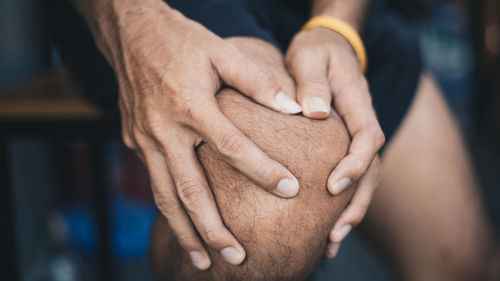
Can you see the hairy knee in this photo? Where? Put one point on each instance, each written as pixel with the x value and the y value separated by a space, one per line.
pixel 284 238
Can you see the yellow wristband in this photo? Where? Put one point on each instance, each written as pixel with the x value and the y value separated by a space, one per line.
pixel 344 29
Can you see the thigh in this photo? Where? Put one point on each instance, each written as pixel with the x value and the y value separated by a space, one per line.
pixel 427 204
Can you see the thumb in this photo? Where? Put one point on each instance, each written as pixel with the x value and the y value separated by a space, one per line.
pixel 253 80
pixel 313 91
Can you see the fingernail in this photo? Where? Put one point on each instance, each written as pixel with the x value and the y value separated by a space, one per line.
pixel 288 187
pixel 342 233
pixel 315 104
pixel 333 249
pixel 199 260
pixel 231 255
pixel 285 104
pixel 341 185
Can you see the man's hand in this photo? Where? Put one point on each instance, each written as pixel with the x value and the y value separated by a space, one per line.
pixel 169 69
pixel 324 67
pixel 267 56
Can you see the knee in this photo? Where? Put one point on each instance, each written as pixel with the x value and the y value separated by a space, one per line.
pixel 284 238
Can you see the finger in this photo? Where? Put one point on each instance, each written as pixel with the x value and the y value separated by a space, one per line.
pixel 358 206
pixel 126 128
pixel 332 250
pixel 168 203
pixel 284 80
pixel 313 91
pixel 367 137
pixel 354 165
pixel 253 80
pixel 196 196
pixel 353 102
pixel 362 150
pixel 244 155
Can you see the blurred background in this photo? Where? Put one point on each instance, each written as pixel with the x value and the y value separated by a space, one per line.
pixel 75 204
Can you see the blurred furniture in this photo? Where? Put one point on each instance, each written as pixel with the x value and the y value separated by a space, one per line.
pixel 50 106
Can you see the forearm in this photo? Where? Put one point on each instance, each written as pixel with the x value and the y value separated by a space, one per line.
pixel 353 12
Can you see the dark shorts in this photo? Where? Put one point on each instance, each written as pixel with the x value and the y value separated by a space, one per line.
pixel 394 65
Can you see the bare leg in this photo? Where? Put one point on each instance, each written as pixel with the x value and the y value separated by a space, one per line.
pixel 427 214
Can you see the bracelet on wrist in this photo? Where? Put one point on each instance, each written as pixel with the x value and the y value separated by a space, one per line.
pixel 345 30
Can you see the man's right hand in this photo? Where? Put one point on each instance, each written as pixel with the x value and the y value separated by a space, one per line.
pixel 169 69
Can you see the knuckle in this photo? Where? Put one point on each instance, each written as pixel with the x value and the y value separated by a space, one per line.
pixel 213 235
pixel 355 84
pixel 298 58
pixel 152 117
pixel 379 137
pixel 315 84
pixel 365 96
pixel 228 52
pixel 374 131
pixel 127 139
pixel 268 174
pixel 185 239
pixel 183 103
pixel 165 204
pixel 171 85
pixel 303 54
pixel 359 213
pixel 263 81
pixel 182 100
pixel 230 144
pixel 154 124
pixel 267 78
pixel 191 194
pixel 141 139
pixel 357 166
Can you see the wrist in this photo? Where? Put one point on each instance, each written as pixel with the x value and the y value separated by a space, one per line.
pixel 343 29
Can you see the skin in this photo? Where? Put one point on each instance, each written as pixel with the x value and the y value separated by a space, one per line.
pixel 284 238
pixel 443 233
pixel 168 70
pixel 128 35
pixel 428 239
pixel 326 69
